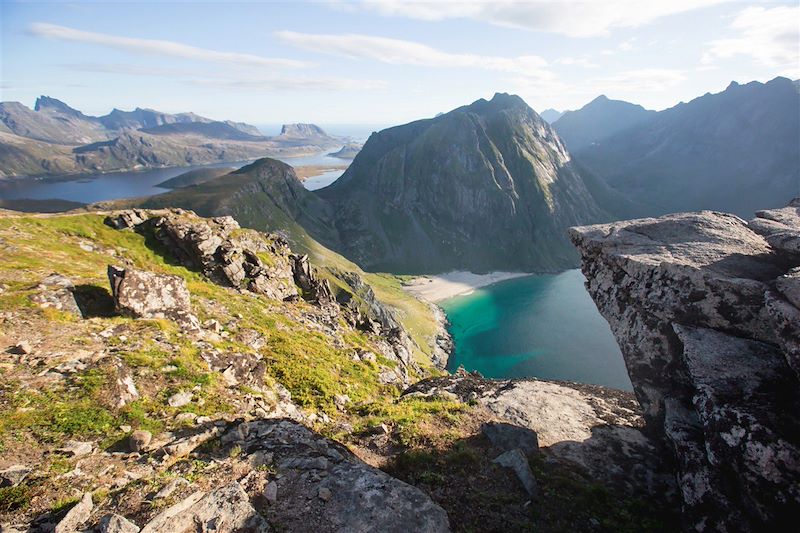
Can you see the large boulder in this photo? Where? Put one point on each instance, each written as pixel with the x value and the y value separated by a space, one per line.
pixel 703 308
pixel 142 294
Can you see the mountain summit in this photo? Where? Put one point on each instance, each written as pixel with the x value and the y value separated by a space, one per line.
pixel 597 120
pixel 486 186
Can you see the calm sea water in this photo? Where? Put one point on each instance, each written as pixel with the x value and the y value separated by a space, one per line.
pixel 88 188
pixel 537 326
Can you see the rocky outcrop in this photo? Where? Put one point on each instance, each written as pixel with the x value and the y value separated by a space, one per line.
pixel 212 246
pixel 264 264
pixel 287 475
pixel 704 307
pixel 595 428
pixel 314 289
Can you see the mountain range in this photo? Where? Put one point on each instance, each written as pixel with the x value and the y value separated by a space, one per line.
pixel 490 185
pixel 54 138
pixel 416 197
pixel 736 151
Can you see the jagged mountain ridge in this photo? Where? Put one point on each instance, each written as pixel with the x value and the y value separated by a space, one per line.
pixel 735 151
pixel 56 139
pixel 52 120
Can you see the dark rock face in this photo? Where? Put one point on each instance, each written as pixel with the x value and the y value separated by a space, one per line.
pixel 462 191
pixel 705 311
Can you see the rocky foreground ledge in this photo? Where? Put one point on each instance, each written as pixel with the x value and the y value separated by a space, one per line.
pixel 705 309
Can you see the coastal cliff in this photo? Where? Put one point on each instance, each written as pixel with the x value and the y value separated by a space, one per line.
pixel 704 307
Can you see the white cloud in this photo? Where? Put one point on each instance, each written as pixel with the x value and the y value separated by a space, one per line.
pixel 586 18
pixel 156 47
pixel 584 62
pixel 771 36
pixel 238 79
pixel 400 52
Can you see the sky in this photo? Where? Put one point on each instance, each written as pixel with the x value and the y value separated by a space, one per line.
pixel 385 61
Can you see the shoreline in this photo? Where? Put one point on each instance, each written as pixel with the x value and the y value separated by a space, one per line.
pixel 439 287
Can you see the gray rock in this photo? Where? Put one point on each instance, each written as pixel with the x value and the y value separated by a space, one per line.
pixel 77 448
pixel 56 292
pixel 185 445
pixel 226 257
pixel 142 294
pixel 14 475
pixel 516 461
pixel 361 498
pixel 76 516
pixel 127 219
pixel 167 490
pixel 780 227
pixel 185 417
pixel 224 510
pixel 271 492
pixel 701 306
pixel 139 440
pixel 508 437
pixel 179 399
pixel 114 523
pixel 596 428
pixel 125 387
pixel 22 348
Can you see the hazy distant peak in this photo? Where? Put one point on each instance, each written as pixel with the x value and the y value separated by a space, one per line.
pixel 551 115
pixel 46 102
pixel 302 130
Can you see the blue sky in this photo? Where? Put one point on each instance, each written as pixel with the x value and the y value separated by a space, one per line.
pixel 385 61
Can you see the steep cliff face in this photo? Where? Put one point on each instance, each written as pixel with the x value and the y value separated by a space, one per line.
pixel 463 190
pixel 705 309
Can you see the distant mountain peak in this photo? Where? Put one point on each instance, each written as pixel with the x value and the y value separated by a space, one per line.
pixel 302 130
pixel 46 102
pixel 259 166
pixel 551 115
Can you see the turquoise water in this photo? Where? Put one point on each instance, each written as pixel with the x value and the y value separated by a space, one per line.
pixel 543 326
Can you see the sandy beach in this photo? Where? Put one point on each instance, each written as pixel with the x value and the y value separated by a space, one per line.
pixel 443 286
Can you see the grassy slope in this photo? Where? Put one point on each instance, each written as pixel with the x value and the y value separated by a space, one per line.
pixel 37 414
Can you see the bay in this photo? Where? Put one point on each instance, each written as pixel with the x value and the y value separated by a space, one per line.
pixel 543 326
